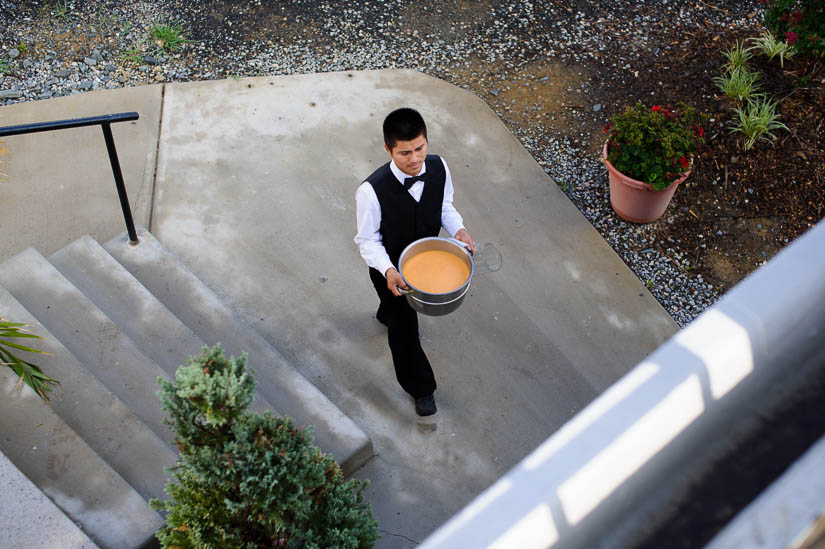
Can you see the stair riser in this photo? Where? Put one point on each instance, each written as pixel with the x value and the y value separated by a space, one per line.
pixel 91 410
pixel 88 334
pixel 70 473
pixel 198 307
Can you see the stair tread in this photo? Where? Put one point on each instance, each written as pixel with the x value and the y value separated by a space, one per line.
pixel 22 500
pixel 163 274
pixel 116 292
pixel 136 311
pixel 69 472
pixel 88 334
pixel 94 413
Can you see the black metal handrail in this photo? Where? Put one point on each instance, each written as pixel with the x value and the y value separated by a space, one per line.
pixel 105 122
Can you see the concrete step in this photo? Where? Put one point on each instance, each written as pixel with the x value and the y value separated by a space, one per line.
pixel 60 463
pixel 128 445
pixel 127 302
pixel 163 274
pixel 136 311
pixel 20 502
pixel 97 342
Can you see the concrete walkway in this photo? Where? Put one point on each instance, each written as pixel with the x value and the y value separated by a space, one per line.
pixel 254 185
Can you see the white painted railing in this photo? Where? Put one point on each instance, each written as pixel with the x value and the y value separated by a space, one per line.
pixel 614 471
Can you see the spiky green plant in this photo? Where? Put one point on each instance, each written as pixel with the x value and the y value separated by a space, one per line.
pixel 770 47
pixel 739 84
pixel 246 479
pixel 757 121
pixel 738 57
pixel 167 36
pixel 29 373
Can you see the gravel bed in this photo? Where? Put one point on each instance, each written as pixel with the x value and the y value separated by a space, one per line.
pixel 490 48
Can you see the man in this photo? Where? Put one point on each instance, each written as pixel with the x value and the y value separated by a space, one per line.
pixel 408 198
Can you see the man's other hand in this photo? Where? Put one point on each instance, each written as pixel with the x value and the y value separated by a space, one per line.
pixel 395 281
pixel 465 237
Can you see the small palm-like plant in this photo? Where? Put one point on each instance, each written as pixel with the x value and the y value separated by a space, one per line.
pixel 770 47
pixel 757 122
pixel 29 373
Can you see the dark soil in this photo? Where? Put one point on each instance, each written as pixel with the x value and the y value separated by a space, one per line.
pixel 736 210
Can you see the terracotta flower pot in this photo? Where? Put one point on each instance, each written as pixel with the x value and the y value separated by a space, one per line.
pixel 634 200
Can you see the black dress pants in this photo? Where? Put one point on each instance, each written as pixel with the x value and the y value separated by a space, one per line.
pixel 412 369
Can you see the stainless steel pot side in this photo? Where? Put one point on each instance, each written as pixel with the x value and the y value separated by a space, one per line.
pixel 436 304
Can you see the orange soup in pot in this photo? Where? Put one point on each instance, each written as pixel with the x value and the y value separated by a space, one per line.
pixel 435 272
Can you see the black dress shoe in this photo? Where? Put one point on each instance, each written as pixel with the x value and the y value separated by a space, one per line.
pixel 425 406
pixel 381 318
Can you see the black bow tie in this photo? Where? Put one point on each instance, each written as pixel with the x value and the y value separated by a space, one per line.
pixel 408 182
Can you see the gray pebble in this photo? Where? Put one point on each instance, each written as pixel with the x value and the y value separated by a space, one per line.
pixel 10 94
pixel 63 73
pixel 13 53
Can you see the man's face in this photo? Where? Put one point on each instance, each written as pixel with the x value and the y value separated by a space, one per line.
pixel 409 155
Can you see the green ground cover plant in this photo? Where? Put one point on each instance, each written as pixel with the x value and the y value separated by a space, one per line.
pixel 757 121
pixel 739 84
pixel 802 24
pixel 769 46
pixel 246 479
pixel 167 36
pixel 738 57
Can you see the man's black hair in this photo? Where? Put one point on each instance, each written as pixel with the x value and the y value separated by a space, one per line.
pixel 403 124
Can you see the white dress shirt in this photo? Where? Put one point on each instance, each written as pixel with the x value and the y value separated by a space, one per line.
pixel 368 216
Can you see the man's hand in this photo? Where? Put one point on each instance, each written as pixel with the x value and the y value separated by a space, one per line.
pixel 465 237
pixel 395 281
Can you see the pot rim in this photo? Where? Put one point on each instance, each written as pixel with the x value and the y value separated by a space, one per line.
pixel 463 288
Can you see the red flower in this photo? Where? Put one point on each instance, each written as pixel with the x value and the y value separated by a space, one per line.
pixel 796 16
pixel 607 128
pixel 699 131
pixel 685 162
pixel 791 37
pixel 656 108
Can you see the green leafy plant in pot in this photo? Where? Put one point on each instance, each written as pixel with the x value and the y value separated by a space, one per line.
pixel 649 151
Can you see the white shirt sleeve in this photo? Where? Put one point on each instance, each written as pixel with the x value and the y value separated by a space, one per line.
pixel 368 237
pixel 451 220
pixel 368 219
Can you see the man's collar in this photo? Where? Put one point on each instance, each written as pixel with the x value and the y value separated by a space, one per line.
pixel 401 176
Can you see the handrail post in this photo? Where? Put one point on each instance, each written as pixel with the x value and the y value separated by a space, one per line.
pixel 121 187
pixel 105 121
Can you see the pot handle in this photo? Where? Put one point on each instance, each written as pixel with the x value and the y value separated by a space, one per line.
pixel 487 259
pixel 404 292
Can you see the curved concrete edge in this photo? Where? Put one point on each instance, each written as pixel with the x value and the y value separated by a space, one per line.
pixel 21 501
pixel 611 474
pixel 281 384
pixel 786 513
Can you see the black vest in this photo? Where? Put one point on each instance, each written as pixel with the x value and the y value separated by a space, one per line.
pixel 403 220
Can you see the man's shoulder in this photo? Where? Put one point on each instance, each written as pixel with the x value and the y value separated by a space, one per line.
pixel 379 174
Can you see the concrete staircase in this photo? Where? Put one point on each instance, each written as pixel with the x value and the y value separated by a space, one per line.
pixel 116 317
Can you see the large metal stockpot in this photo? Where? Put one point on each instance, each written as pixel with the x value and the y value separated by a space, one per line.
pixel 436 304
